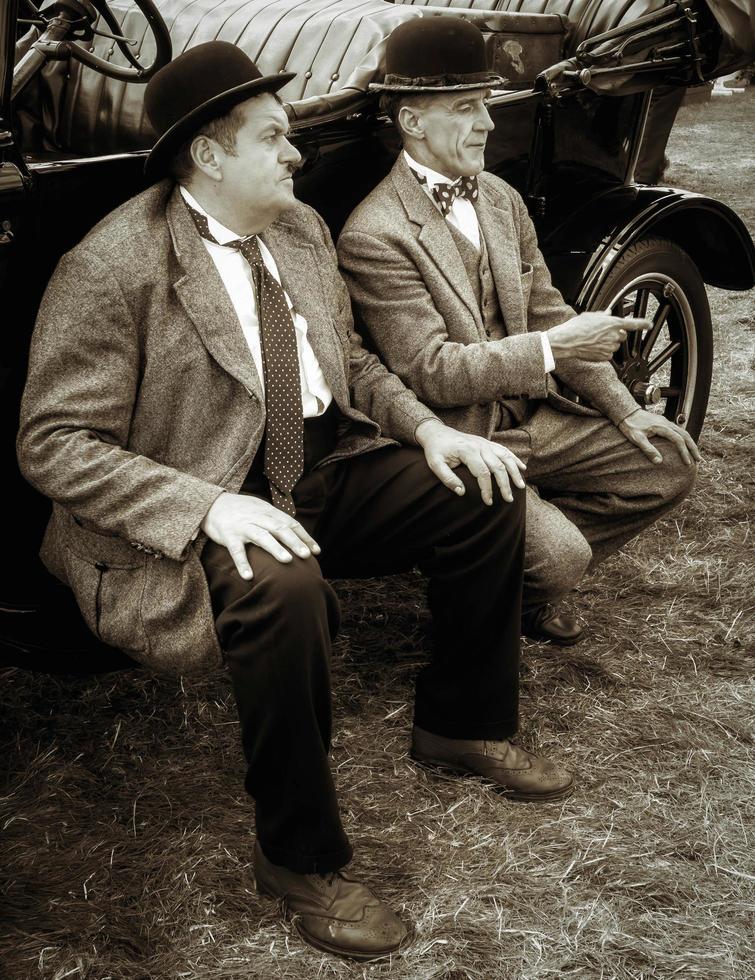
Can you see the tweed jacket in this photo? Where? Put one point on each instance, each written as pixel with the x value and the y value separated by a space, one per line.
pixel 411 291
pixel 143 404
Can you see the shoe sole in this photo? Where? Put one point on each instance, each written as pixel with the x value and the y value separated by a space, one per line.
pixel 510 794
pixel 311 940
pixel 572 642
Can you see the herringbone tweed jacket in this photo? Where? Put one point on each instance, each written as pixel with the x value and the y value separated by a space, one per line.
pixel 411 291
pixel 143 404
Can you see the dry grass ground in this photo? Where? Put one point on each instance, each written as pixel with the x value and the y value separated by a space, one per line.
pixel 126 835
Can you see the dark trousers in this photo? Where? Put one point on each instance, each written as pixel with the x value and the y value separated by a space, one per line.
pixel 380 513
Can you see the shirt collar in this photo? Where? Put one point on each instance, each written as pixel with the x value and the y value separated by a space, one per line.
pixel 220 233
pixel 432 176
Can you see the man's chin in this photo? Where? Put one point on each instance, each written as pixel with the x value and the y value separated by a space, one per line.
pixel 287 196
pixel 474 167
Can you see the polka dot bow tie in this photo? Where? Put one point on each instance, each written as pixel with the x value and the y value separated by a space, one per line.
pixel 446 194
pixel 284 426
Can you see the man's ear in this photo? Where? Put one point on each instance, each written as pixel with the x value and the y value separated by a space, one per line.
pixel 205 153
pixel 410 122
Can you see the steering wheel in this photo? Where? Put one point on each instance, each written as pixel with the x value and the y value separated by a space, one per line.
pixel 67 22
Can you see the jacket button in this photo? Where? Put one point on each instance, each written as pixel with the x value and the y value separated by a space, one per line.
pixel 100 566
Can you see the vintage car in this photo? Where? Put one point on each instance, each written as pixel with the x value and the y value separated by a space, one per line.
pixel 569 128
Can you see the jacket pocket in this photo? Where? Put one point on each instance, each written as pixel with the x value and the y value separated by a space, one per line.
pixel 107 578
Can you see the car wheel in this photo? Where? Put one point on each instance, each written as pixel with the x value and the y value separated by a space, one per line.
pixel 667 368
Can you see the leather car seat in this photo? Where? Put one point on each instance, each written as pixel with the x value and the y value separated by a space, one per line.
pixel 586 17
pixel 334 46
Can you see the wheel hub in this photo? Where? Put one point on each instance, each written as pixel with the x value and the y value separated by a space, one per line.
pixel 635 369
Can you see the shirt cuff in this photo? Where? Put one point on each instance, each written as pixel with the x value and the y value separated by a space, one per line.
pixel 548 358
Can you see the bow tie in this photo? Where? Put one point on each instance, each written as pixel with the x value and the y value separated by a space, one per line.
pixel 446 194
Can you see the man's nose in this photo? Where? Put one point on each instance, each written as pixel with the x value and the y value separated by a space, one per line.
pixel 289 154
pixel 484 119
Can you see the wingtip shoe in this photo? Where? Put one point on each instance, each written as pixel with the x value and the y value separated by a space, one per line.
pixel 332 912
pixel 519 774
pixel 546 624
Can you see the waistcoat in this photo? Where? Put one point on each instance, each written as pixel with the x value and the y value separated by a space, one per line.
pixel 514 410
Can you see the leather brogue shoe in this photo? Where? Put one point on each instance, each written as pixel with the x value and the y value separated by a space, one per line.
pixel 547 625
pixel 331 911
pixel 519 774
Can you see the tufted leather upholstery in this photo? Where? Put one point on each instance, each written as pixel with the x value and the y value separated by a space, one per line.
pixel 333 45
pixel 586 17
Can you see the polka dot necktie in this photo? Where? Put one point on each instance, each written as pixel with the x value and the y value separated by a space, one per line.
pixel 446 194
pixel 284 428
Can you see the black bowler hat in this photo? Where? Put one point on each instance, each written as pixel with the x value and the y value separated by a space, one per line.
pixel 436 54
pixel 201 84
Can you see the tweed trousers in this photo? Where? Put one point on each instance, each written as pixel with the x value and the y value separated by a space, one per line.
pixel 589 491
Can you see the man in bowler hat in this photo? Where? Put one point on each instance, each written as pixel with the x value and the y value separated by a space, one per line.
pixel 217 442
pixel 444 270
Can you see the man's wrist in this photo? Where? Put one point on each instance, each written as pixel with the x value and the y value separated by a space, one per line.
pixel 630 415
pixel 425 428
pixel 203 523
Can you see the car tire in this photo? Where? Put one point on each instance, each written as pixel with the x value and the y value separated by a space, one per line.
pixel 652 276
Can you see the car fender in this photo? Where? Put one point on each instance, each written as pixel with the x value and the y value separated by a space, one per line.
pixel 713 236
pixel 601 230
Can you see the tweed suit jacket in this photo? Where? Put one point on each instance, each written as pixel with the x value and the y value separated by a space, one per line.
pixel 411 291
pixel 143 404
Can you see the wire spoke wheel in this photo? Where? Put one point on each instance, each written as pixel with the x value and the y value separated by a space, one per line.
pixel 667 368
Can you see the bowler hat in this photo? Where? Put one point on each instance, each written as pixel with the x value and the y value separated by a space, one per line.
pixel 436 54
pixel 203 83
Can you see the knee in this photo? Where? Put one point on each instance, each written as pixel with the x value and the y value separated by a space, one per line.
pixel 291 587
pixel 513 513
pixel 559 567
pixel 673 478
pixel 503 511
pixel 286 598
pixel 683 480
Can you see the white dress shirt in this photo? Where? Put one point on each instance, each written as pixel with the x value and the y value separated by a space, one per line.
pixel 462 214
pixel 237 278
pixel 463 217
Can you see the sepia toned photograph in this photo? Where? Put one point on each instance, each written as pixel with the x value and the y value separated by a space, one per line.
pixel 376 441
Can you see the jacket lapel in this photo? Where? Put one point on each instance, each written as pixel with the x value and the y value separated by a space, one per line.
pixel 298 269
pixel 201 292
pixel 497 228
pixel 433 234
